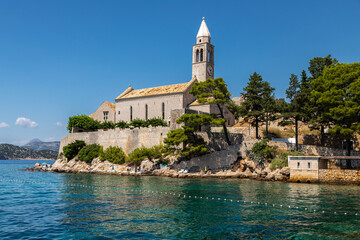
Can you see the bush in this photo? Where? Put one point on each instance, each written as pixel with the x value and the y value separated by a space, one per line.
pixel 122 124
pixel 83 122
pixel 138 155
pixel 262 150
pixel 113 154
pixel 156 152
pixel 138 123
pixel 156 122
pixel 107 125
pixel 281 159
pixel 89 152
pixel 72 149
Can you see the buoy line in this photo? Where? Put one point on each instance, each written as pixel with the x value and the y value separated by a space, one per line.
pixel 184 196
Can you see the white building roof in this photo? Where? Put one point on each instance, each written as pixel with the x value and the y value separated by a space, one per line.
pixel 203 30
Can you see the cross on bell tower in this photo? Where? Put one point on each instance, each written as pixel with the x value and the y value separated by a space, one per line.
pixel 203 55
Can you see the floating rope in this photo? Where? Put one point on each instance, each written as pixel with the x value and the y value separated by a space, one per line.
pixel 182 196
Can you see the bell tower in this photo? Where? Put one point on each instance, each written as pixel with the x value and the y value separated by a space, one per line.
pixel 203 55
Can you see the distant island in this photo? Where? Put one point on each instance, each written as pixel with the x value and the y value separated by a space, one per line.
pixel 34 150
pixel 38 145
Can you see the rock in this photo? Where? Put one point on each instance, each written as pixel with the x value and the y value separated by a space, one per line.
pixel 270 177
pixel 285 171
pixel 146 166
pixel 279 177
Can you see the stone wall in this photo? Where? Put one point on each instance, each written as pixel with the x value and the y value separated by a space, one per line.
pixel 339 176
pixel 313 150
pixel 127 139
pixel 214 161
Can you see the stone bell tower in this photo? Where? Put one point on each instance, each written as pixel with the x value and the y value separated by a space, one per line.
pixel 203 55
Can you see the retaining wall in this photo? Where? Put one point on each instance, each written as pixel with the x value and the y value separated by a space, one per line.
pixel 127 139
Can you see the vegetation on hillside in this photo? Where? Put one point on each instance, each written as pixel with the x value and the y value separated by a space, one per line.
pixel 9 152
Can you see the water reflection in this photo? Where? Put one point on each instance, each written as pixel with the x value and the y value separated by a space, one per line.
pixel 108 210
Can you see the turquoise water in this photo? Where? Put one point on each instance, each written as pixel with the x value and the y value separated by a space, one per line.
pixel 38 205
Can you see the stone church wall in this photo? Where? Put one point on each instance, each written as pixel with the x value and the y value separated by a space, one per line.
pixel 127 139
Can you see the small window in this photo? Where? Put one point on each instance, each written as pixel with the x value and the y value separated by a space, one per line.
pixel 199 40
pixel 163 110
pixel 146 112
pixel 106 115
pixel 119 112
pixel 228 121
pixel 131 113
pixel 309 165
pixel 298 164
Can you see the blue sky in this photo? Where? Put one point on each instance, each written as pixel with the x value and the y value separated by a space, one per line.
pixel 63 58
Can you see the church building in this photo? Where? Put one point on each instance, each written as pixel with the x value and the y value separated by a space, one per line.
pixel 168 101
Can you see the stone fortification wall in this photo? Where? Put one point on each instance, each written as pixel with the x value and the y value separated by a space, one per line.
pixel 127 139
pixel 313 150
pixel 339 176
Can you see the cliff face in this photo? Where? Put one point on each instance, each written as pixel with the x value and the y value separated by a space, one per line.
pixel 8 152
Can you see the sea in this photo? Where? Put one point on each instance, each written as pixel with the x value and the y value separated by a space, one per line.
pixel 44 205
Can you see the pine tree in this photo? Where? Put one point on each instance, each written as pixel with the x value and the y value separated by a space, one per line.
pixel 258 102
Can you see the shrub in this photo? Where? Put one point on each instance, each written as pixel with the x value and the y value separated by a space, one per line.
pixel 72 149
pixel 107 125
pixel 156 152
pixel 113 154
pixel 138 123
pixel 281 159
pixel 89 152
pixel 262 150
pixel 156 122
pixel 138 155
pixel 122 124
pixel 83 122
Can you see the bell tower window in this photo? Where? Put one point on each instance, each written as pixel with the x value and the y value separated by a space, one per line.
pixel 197 56
pixel 201 55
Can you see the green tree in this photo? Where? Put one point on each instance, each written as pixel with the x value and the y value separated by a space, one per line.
pixel 339 90
pixel 258 102
pixel 185 141
pixel 299 108
pixel 83 122
pixel 213 91
pixel 319 119
pixel 234 109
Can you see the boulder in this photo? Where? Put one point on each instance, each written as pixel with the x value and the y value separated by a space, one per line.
pixel 146 166
pixel 285 171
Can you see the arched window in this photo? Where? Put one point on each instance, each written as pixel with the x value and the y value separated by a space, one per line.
pixel 163 110
pixel 197 56
pixel 209 57
pixel 146 112
pixel 201 55
pixel 131 113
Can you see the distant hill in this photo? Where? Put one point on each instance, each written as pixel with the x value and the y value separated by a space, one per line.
pixel 8 151
pixel 37 144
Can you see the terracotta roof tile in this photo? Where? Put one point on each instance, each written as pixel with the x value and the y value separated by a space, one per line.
pixel 168 89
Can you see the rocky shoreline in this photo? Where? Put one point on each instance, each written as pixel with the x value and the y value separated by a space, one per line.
pixel 241 169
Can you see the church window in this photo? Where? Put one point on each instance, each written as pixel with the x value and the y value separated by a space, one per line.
pixel 201 55
pixel 146 112
pixel 163 110
pixel 197 56
pixel 119 112
pixel 199 40
pixel 209 56
pixel 106 115
pixel 131 116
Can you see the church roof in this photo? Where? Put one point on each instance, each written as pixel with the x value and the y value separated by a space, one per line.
pixel 112 105
pixel 168 89
pixel 203 30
